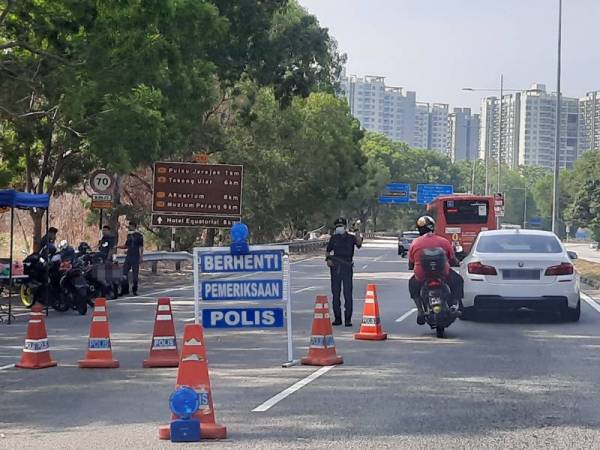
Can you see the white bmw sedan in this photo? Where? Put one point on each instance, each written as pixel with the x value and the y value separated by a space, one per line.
pixel 513 269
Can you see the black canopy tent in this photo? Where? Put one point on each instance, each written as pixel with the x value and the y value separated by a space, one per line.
pixel 9 198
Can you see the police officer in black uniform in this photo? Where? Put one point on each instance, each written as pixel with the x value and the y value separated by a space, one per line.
pixel 340 253
pixel 135 251
pixel 106 248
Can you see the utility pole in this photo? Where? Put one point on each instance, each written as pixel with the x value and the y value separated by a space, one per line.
pixel 555 191
pixel 500 142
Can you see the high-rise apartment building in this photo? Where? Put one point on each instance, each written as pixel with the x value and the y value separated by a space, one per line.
pixel 537 137
pixel 381 108
pixel 431 126
pixel 463 135
pixel 489 141
pixel 589 122
pixel 528 128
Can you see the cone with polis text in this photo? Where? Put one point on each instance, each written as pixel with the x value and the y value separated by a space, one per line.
pixel 322 345
pixel 36 351
pixel 163 350
pixel 193 372
pixel 99 352
pixel 370 327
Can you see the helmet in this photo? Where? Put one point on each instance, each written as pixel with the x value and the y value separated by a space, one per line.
pixel 63 245
pixel 340 221
pixel 425 224
pixel 84 248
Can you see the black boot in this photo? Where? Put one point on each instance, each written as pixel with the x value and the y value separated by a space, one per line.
pixel 336 322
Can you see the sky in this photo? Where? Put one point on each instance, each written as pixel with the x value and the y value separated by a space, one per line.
pixel 437 47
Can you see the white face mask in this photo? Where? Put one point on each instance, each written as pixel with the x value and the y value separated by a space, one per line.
pixel 340 230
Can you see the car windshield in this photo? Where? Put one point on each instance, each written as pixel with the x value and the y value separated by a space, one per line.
pixel 518 243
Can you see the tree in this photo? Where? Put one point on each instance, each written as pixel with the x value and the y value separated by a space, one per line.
pixel 584 208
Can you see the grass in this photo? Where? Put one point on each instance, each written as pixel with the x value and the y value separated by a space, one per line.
pixel 588 269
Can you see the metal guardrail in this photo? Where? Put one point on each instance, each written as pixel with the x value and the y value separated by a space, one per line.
pixel 296 247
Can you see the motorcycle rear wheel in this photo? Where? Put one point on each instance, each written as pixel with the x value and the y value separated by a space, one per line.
pixel 82 308
pixel 27 296
pixel 439 332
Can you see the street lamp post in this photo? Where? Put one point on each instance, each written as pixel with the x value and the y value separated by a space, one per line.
pixel 556 184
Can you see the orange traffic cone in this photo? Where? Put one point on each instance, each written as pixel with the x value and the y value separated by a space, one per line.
pixel 193 372
pixel 370 327
pixel 99 352
pixel 36 352
pixel 163 350
pixel 322 346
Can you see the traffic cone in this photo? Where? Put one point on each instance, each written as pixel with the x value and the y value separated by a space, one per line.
pixel 193 372
pixel 36 351
pixel 99 352
pixel 163 350
pixel 322 346
pixel 370 327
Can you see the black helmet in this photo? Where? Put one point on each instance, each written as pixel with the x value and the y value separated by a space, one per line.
pixel 340 221
pixel 425 224
pixel 84 248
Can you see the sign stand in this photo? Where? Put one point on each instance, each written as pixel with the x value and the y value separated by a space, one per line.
pixel 286 297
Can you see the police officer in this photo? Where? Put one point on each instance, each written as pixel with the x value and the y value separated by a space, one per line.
pixel 135 251
pixel 106 248
pixel 340 253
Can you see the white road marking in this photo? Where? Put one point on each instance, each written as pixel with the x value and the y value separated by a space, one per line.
pixel 404 316
pixel 289 391
pixel 378 258
pixel 307 259
pixel 8 366
pixel 590 301
pixel 310 288
pixel 364 267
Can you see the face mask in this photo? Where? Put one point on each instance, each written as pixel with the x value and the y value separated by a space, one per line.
pixel 340 230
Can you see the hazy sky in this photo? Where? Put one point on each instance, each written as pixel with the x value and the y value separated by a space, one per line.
pixel 436 47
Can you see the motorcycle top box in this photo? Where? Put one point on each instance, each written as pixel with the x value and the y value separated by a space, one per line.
pixel 433 261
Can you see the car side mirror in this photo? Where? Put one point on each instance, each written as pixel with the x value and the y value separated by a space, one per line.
pixel 572 255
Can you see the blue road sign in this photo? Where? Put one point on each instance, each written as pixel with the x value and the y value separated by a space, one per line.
pixel 397 187
pixel 390 198
pixel 535 222
pixel 426 193
pixel 242 318
pixel 395 193
pixel 255 261
pixel 242 290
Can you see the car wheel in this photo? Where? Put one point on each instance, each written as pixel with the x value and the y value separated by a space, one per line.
pixel 572 314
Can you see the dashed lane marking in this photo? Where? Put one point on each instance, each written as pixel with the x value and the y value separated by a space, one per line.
pixel 289 391
pixel 405 315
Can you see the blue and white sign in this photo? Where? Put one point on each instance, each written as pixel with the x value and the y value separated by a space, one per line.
pixel 255 261
pixel 242 290
pixel 242 318
pixel 254 275
pixel 395 193
pixel 426 193
pixel 535 222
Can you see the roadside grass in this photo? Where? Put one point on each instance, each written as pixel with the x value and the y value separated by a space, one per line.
pixel 588 269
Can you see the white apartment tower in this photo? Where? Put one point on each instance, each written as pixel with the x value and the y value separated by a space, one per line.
pixel 528 128
pixel 381 108
pixel 431 126
pixel 463 135
pixel 589 122
pixel 537 138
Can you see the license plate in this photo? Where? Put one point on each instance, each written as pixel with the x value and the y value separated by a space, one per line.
pixel 521 274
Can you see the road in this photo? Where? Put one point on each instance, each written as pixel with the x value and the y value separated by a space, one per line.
pixel 519 381
pixel 584 251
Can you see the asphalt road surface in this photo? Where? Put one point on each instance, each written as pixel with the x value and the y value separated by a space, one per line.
pixel 507 381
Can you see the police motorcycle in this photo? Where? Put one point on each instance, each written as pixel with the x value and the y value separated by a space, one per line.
pixel 35 266
pixel 67 280
pixel 94 269
pixel 440 309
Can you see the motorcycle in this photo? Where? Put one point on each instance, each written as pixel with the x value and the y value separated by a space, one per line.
pixel 107 285
pixel 440 311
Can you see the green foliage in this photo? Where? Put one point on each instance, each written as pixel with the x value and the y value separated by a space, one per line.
pixel 584 209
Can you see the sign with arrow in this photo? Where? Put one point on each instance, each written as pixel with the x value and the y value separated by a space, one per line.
pixel 186 220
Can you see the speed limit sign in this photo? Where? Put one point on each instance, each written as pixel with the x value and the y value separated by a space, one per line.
pixel 101 181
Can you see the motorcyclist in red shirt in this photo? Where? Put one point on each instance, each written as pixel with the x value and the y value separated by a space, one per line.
pixel 428 240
